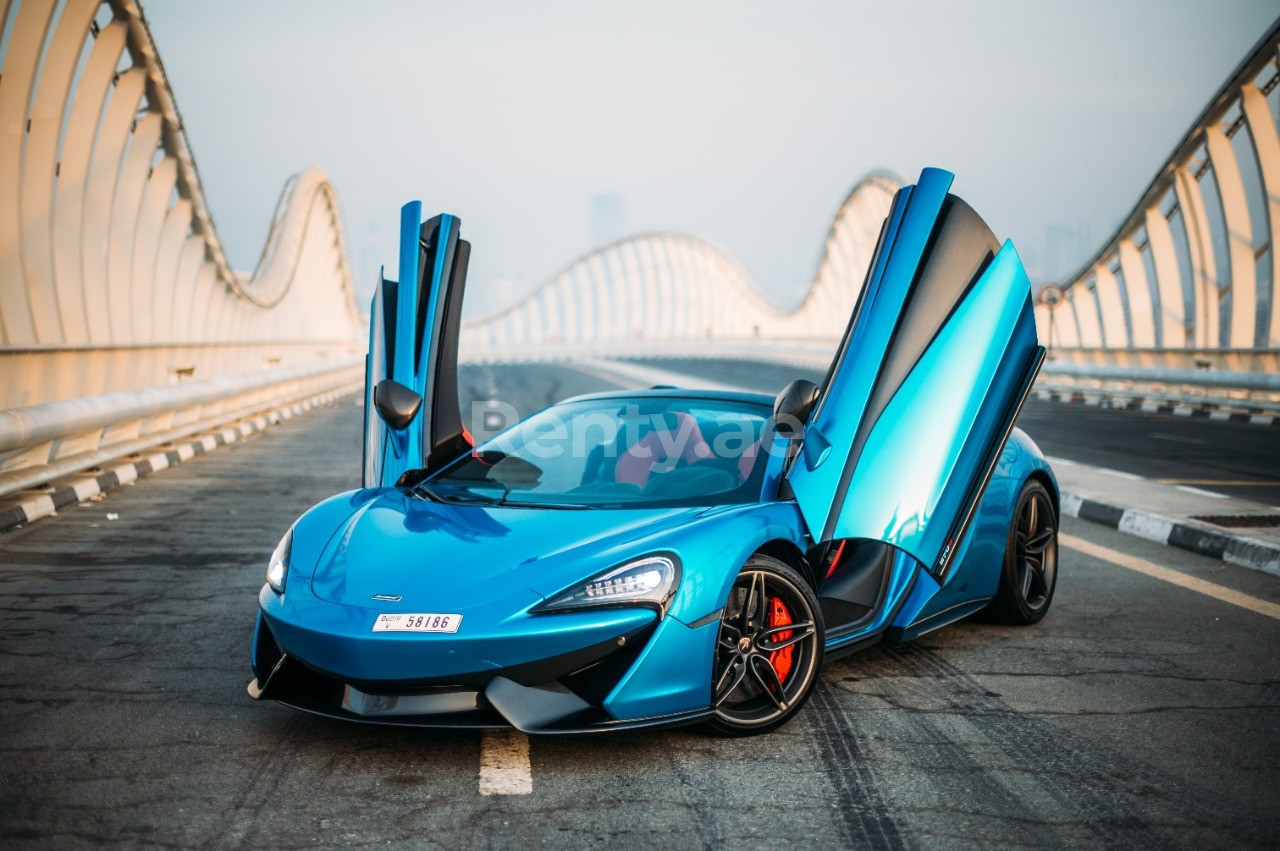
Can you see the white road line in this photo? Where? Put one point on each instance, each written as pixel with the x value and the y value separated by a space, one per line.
pixel 1173 577
pixel 504 763
pixel 1199 492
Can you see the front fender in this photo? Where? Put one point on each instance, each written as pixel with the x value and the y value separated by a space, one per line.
pixel 714 548
pixel 673 674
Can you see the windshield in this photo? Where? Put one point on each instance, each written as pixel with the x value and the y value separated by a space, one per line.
pixel 616 453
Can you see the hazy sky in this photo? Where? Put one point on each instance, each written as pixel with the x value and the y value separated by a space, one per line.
pixel 740 122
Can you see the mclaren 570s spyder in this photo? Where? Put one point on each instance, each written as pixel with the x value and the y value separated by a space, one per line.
pixel 667 556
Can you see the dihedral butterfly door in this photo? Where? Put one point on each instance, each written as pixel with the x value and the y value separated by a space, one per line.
pixel 413 423
pixel 937 359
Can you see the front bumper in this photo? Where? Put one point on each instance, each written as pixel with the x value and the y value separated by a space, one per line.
pixel 569 672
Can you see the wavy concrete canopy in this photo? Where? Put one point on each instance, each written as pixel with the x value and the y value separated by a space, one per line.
pixel 1191 274
pixel 112 276
pixel 668 287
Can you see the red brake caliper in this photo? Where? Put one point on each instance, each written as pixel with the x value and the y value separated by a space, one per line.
pixel 780 659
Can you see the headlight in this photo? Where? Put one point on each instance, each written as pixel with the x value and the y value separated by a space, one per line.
pixel 649 581
pixel 278 567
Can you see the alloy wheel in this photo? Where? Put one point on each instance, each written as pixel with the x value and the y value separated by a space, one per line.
pixel 1036 550
pixel 767 652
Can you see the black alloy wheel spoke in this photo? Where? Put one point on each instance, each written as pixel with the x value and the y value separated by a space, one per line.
pixel 767 677
pixel 774 630
pixel 1039 542
pixel 748 607
pixel 722 690
pixel 802 631
pixel 729 635
pixel 1036 583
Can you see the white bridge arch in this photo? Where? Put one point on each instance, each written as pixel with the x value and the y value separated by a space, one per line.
pixel 1191 276
pixel 112 275
pixel 672 288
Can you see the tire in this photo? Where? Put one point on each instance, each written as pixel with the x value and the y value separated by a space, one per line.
pixel 1030 572
pixel 762 673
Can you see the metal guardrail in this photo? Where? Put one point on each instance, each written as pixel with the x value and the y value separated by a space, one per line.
pixel 1211 378
pixel 42 442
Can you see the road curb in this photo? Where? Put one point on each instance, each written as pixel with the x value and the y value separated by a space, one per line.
pixel 45 501
pixel 1193 537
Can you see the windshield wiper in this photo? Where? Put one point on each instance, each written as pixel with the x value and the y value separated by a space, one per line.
pixel 463 497
pixel 451 497
pixel 571 506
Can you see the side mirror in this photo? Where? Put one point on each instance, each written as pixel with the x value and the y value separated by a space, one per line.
pixel 396 404
pixel 792 407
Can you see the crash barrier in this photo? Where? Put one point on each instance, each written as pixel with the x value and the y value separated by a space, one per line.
pixel 40 443
pixel 1204 388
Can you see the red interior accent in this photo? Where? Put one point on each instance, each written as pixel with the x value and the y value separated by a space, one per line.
pixel 466 435
pixel 780 659
pixel 636 464
pixel 835 560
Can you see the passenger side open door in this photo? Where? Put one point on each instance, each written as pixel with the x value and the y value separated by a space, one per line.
pixel 413 422
pixel 937 359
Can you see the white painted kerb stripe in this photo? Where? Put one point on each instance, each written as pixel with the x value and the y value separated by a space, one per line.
pixel 1173 577
pixel 504 763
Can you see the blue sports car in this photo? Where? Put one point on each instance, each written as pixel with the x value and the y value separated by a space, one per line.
pixel 666 556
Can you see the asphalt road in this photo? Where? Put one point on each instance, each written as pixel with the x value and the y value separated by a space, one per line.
pixel 1237 459
pixel 1137 714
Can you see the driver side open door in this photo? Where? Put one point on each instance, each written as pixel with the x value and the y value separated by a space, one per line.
pixel 924 390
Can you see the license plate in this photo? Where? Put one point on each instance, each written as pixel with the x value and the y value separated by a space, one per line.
pixel 415 622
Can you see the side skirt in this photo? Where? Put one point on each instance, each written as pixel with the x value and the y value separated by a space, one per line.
pixel 960 611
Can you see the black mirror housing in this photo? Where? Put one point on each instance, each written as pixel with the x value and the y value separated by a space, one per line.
pixel 792 407
pixel 396 404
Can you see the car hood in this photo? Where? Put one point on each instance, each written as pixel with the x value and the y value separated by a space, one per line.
pixel 450 558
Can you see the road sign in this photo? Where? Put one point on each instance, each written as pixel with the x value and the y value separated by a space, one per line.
pixel 1050 295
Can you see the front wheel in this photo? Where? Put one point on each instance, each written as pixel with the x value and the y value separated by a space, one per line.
pixel 768 652
pixel 1030 572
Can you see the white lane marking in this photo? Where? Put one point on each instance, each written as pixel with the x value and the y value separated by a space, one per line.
pixel 1173 577
pixel 1199 492
pixel 1120 474
pixel 504 763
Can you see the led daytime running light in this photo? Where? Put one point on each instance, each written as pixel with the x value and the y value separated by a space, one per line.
pixel 649 581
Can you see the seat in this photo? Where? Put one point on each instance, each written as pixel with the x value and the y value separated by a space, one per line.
pixel 675 439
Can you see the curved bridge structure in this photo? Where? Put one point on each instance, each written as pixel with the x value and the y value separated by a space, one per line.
pixel 671 288
pixel 112 276
pixel 122 325
pixel 1190 277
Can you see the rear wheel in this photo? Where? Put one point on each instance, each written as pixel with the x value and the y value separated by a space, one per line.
pixel 768 652
pixel 1031 559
